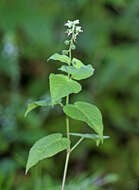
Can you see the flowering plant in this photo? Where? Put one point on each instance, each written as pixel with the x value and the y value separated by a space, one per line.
pixel 73 28
pixel 61 87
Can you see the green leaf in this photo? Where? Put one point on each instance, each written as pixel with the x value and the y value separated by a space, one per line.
pixel 90 136
pixel 88 113
pixel 45 148
pixel 83 72
pixel 35 104
pixel 61 86
pixel 77 63
pixel 65 68
pixel 61 58
pixel 78 73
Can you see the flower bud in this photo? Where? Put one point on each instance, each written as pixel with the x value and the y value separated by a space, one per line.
pixel 66 42
pixel 65 52
pixel 73 46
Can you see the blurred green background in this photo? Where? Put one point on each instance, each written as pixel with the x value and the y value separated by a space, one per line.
pixel 30 31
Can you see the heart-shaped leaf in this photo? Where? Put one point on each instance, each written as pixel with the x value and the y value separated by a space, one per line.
pixel 61 86
pixel 61 58
pixel 35 104
pixel 46 147
pixel 77 63
pixel 88 113
pixel 78 73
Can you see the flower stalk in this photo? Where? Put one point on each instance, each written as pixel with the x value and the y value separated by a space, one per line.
pixel 73 30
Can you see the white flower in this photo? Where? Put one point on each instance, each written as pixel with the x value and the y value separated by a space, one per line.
pixel 73 29
pixel 78 29
pixel 68 24
pixel 69 31
pixel 76 21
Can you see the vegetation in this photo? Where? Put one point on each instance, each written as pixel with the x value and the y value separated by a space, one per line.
pixel 29 33
pixel 62 86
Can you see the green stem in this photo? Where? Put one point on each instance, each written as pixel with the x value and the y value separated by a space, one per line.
pixel 67 127
pixel 65 170
pixel 78 142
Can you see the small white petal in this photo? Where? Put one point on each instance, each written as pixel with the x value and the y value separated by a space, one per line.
pixel 68 24
pixel 78 28
pixel 76 21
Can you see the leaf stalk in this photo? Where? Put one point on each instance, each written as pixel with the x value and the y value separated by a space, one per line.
pixel 78 142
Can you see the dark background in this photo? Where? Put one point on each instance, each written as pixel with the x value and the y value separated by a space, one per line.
pixel 30 31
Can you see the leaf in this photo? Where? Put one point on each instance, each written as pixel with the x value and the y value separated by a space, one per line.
pixel 45 148
pixel 61 86
pixel 61 58
pixel 83 72
pixel 77 63
pixel 88 113
pixel 90 136
pixel 78 74
pixel 35 104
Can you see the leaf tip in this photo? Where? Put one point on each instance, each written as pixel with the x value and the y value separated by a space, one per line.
pixel 26 171
pixel 49 59
pixel 26 113
pixel 98 142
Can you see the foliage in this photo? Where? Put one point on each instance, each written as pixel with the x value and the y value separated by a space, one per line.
pixel 62 86
pixel 88 113
pixel 29 33
pixel 45 148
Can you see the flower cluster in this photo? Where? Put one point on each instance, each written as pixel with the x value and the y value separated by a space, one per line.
pixel 73 28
